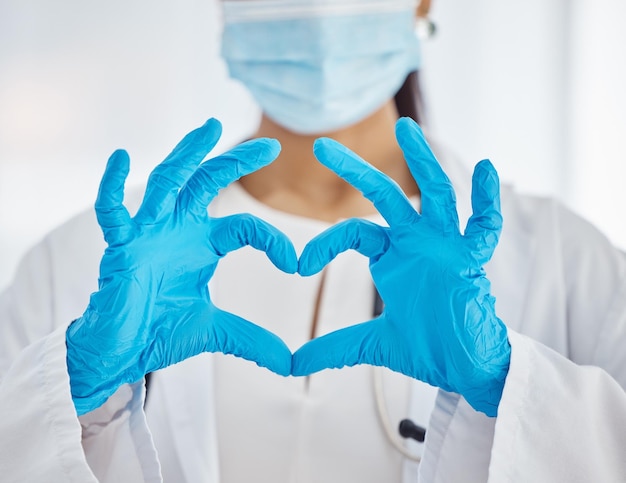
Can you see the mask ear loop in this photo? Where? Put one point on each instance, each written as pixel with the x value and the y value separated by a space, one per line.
pixel 381 407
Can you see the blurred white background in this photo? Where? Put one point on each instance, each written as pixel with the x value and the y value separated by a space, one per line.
pixel 536 86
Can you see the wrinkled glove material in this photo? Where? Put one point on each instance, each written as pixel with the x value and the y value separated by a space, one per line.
pixel 439 322
pixel 153 307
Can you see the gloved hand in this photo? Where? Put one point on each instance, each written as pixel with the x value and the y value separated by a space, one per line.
pixel 439 324
pixel 153 308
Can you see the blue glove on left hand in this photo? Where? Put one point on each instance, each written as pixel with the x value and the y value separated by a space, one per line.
pixel 153 308
pixel 439 323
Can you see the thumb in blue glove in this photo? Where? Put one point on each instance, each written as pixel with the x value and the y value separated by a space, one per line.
pixel 153 307
pixel 439 323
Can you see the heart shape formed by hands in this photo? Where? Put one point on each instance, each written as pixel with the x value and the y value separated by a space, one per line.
pixel 153 307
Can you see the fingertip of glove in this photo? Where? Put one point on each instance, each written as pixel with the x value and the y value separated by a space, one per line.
pixel 119 155
pixel 280 369
pixel 332 153
pixel 267 149
pixel 322 144
pixel 301 364
pixel 485 164
pixel 485 174
pixel 290 264
pixel 285 372
pixel 407 126
pixel 118 163
pixel 305 269
pixel 279 360
pixel 296 372
pixel 283 255
pixel 296 367
pixel 272 146
pixel 210 132
pixel 213 123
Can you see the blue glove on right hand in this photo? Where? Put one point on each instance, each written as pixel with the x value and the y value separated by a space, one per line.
pixel 439 323
pixel 153 308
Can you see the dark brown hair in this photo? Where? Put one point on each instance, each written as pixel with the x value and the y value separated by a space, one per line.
pixel 409 101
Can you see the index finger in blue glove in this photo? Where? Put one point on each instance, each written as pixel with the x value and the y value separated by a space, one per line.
pixel 217 173
pixel 112 216
pixel 365 237
pixel 438 201
pixel 357 344
pixel 376 186
pixel 236 231
pixel 485 225
pixel 168 178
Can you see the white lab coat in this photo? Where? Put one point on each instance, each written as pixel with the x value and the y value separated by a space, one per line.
pixel 562 416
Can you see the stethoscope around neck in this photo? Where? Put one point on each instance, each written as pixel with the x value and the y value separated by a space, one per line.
pixel 406 428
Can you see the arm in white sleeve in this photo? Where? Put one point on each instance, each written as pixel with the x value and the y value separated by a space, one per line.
pixel 565 421
pixel 41 434
pixel 558 421
pixel 562 416
pixel 41 438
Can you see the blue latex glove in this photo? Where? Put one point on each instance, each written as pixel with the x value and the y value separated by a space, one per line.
pixel 439 324
pixel 153 308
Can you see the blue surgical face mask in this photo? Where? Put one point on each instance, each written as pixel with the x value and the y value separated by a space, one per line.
pixel 315 66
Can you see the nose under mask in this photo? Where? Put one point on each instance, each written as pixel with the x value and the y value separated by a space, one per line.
pixel 316 67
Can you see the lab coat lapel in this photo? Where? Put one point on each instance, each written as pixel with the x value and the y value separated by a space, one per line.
pixel 191 407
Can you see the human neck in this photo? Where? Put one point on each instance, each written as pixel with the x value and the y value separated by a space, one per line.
pixel 297 183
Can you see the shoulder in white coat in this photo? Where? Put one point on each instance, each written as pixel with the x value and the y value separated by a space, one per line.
pixel 558 281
